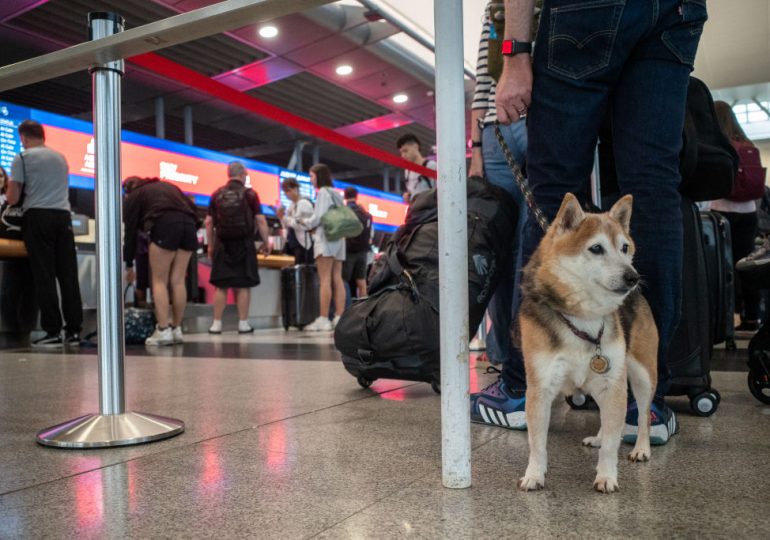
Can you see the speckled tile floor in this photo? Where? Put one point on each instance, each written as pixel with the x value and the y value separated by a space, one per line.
pixel 295 449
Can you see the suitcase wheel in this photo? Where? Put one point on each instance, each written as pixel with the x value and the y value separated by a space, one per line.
pixel 363 381
pixel 759 385
pixel 436 385
pixel 705 403
pixel 580 402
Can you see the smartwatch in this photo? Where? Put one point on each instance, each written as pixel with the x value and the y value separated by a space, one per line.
pixel 512 47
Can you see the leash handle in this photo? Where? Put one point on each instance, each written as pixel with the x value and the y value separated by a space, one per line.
pixel 521 181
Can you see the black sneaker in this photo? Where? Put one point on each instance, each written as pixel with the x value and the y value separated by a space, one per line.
pixel 49 341
pixel 72 340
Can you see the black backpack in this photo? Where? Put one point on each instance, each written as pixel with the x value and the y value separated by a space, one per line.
pixel 708 162
pixel 360 243
pixel 399 318
pixel 234 218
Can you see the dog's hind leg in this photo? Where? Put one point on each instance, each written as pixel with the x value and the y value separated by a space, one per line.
pixel 612 411
pixel 538 410
pixel 643 388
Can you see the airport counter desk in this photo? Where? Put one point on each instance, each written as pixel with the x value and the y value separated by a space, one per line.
pixel 19 313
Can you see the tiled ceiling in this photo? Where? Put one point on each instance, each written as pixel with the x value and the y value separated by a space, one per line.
pixel 318 100
pixel 211 55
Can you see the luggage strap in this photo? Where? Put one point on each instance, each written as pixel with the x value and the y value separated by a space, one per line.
pixel 521 181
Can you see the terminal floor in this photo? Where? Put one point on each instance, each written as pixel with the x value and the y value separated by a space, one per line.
pixel 282 443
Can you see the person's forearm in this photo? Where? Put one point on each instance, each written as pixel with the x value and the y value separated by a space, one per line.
pixel 209 233
pixel 518 19
pixel 264 232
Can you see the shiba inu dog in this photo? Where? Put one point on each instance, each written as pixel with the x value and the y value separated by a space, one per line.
pixel 585 325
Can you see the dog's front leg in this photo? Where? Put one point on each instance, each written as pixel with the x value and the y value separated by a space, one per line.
pixel 538 410
pixel 612 411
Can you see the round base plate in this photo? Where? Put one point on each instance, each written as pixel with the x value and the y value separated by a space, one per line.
pixel 101 431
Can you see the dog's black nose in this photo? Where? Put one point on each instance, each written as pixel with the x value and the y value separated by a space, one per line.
pixel 631 278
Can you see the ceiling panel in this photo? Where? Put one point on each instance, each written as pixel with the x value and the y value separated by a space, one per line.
pixel 318 100
pixel 322 50
pixel 211 55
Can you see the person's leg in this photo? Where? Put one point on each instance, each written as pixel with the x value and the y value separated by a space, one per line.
pixel 67 274
pixel 324 266
pixel 339 289
pixel 242 300
pixel 505 301
pixel 361 286
pixel 39 234
pixel 177 284
pixel 743 230
pixel 220 301
pixel 160 265
pixel 648 109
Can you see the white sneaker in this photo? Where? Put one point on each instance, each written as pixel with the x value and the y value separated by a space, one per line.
pixel 160 337
pixel 244 327
pixel 321 324
pixel 335 320
pixel 216 327
pixel 178 335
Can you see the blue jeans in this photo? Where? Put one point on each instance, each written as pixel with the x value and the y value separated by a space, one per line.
pixel 630 60
pixel 505 302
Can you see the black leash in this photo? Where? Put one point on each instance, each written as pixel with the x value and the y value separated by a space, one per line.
pixel 521 181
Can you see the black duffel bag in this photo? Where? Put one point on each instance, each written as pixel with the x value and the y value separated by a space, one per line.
pixel 394 332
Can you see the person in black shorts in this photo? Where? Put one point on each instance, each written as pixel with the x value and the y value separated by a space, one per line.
pixel 169 216
pixel 357 249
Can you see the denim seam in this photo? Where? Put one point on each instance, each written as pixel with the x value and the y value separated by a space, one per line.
pixel 588 5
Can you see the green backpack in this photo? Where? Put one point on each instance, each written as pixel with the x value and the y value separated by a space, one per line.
pixel 340 222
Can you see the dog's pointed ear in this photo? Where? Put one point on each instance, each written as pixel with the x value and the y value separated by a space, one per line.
pixel 570 214
pixel 621 212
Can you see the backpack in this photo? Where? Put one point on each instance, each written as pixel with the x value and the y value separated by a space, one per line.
pixel 234 219
pixel 750 179
pixel 708 162
pixel 422 178
pixel 360 243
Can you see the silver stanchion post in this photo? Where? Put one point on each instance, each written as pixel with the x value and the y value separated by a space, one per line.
pixel 453 245
pixel 113 426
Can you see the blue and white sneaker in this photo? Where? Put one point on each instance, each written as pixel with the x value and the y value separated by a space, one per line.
pixel 662 426
pixel 496 406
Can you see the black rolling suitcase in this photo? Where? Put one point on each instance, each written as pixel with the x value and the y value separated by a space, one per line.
pixel 718 251
pixel 690 351
pixel 299 295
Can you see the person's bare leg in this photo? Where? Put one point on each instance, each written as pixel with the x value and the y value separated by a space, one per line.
pixel 243 298
pixel 220 301
pixel 177 284
pixel 324 266
pixel 361 286
pixel 339 289
pixel 160 263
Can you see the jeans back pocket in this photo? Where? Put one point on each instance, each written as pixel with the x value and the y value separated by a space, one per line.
pixel 683 38
pixel 582 36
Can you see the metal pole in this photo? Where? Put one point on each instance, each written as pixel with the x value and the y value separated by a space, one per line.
pixel 316 154
pixel 188 125
pixel 386 179
pixel 453 246
pixel 113 426
pixel 160 118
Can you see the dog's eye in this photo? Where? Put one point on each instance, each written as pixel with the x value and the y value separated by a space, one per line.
pixel 596 249
pixel 624 248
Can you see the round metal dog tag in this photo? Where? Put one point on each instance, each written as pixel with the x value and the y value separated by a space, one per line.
pixel 600 364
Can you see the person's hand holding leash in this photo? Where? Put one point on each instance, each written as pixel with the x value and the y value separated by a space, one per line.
pixel 514 90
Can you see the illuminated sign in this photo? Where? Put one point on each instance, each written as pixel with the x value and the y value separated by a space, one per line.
pixel 196 171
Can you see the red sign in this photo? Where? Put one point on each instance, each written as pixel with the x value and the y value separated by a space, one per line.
pixel 191 174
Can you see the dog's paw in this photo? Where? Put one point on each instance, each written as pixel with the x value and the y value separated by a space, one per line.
pixel 606 484
pixel 639 454
pixel 530 483
pixel 594 442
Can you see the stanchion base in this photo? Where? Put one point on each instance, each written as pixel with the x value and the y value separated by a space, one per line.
pixel 101 431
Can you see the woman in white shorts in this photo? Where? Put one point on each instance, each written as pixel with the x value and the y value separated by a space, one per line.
pixel 329 255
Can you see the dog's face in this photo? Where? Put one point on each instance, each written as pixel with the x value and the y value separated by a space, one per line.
pixel 590 255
